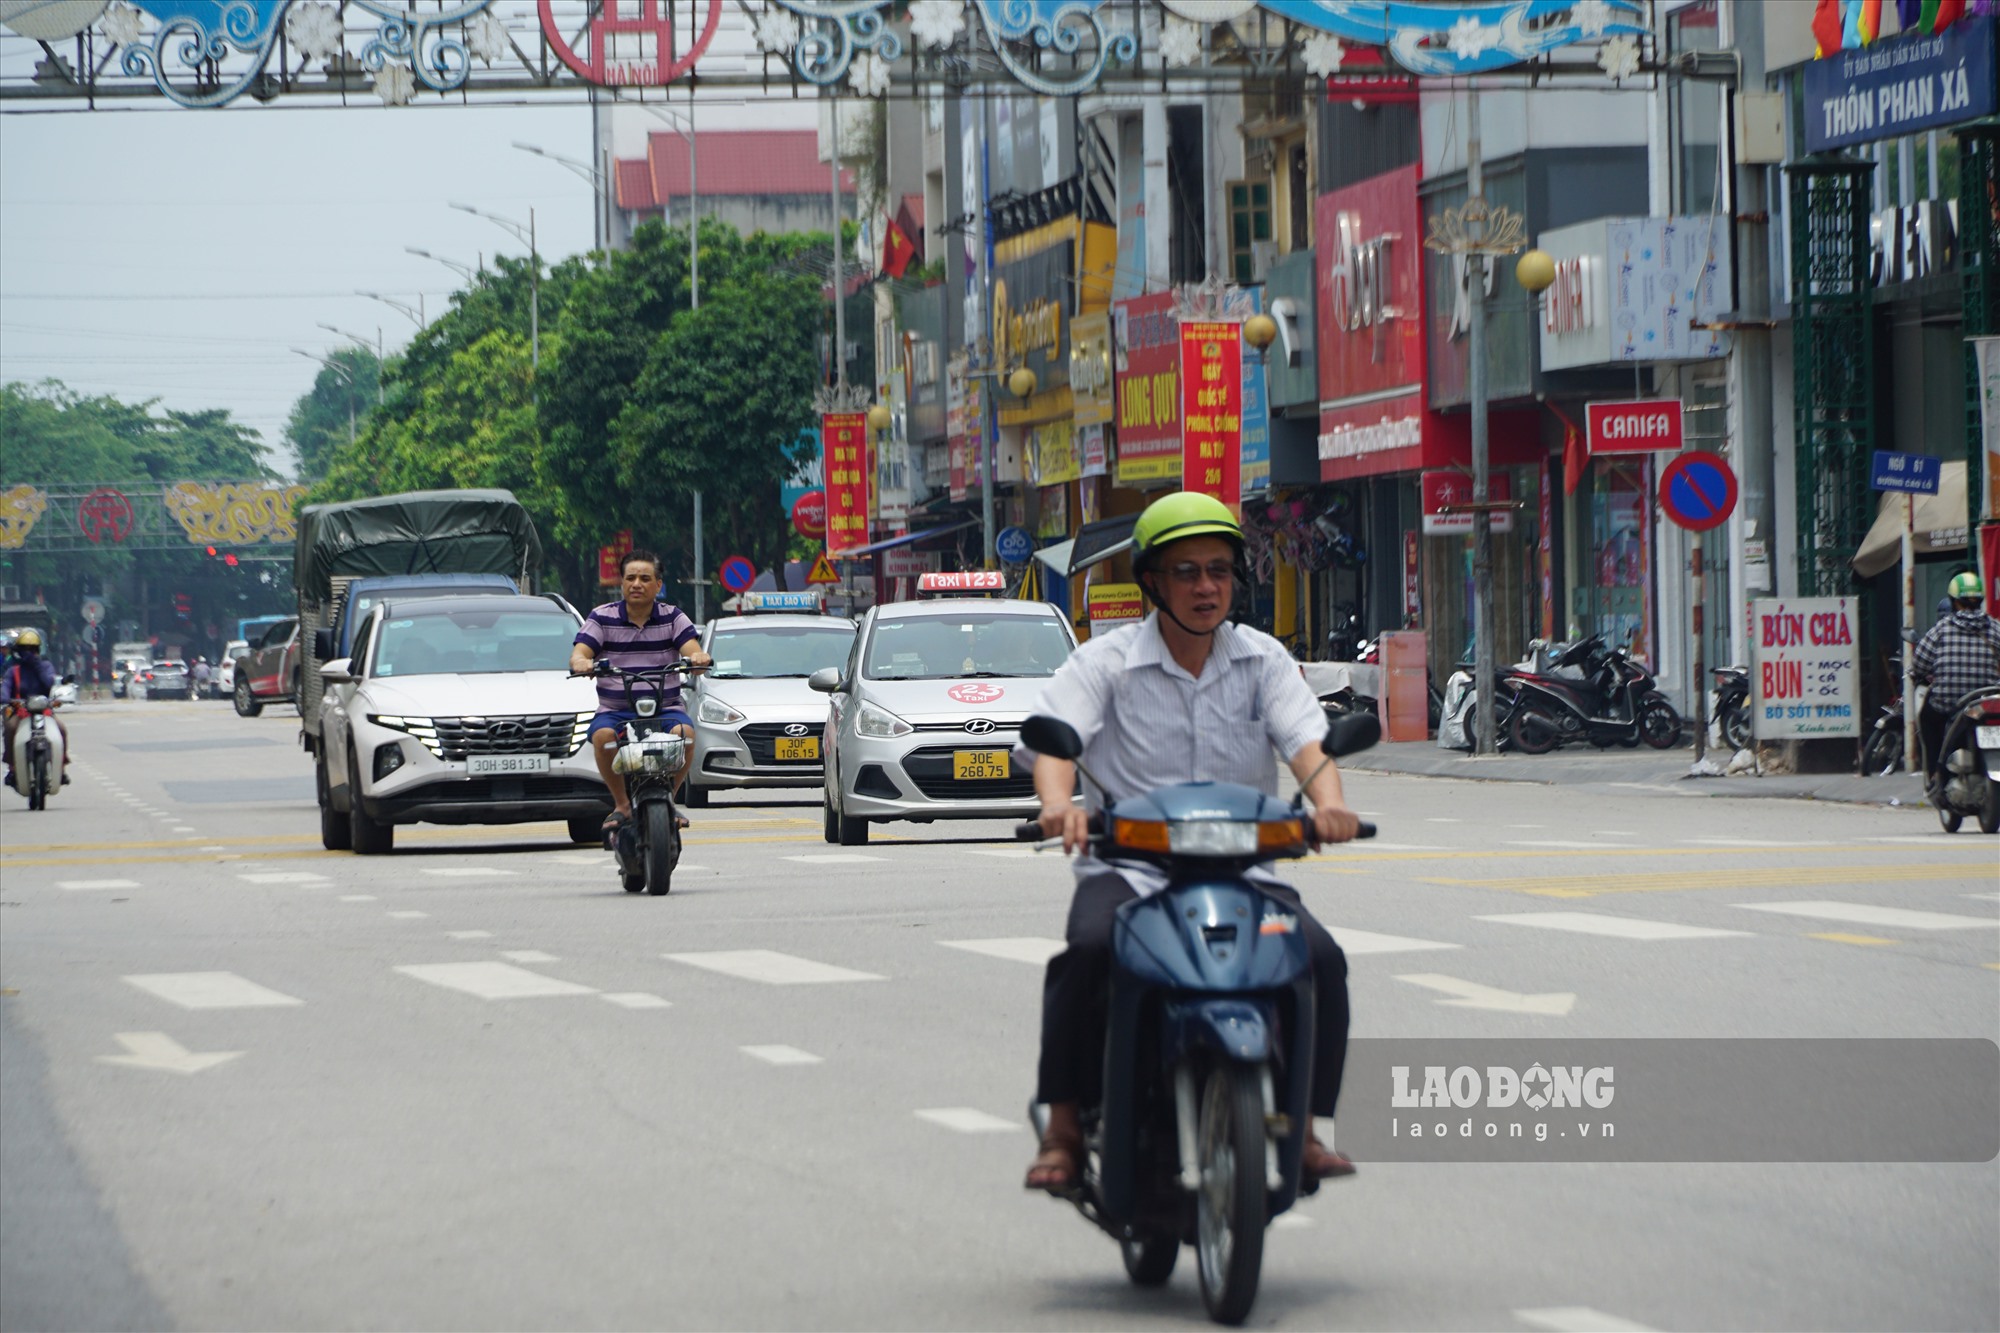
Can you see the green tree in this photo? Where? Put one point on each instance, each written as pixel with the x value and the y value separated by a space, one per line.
pixel 326 417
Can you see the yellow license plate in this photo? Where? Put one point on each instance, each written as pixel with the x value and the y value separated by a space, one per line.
pixel 979 765
pixel 800 747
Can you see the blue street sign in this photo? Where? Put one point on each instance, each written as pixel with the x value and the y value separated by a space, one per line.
pixel 1915 474
pixel 738 573
pixel 1014 545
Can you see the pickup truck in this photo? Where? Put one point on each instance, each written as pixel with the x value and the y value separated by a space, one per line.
pixel 270 671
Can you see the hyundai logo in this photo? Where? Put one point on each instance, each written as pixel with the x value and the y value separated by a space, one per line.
pixel 979 726
pixel 507 733
pixel 797 729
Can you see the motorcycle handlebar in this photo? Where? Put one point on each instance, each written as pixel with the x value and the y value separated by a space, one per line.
pixel 1032 832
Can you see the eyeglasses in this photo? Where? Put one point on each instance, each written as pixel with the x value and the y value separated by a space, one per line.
pixel 1188 573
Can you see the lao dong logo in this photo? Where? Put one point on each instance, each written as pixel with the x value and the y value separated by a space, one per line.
pixel 1537 1088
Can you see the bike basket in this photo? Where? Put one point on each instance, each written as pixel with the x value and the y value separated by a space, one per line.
pixel 650 754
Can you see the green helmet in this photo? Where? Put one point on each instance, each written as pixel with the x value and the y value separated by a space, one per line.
pixel 1182 514
pixel 1965 587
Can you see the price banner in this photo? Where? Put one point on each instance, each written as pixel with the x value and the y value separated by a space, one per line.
pixel 1212 410
pixel 1804 676
pixel 848 471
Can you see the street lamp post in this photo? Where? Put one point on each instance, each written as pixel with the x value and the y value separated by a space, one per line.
pixel 346 375
pixel 465 271
pixel 600 205
pixel 527 236
pixel 413 313
pixel 359 341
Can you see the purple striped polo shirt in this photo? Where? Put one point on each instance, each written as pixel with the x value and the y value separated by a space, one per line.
pixel 609 633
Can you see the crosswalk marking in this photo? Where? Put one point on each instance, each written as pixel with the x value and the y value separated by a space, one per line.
pixel 770 967
pixel 1614 927
pixel 467 872
pixel 211 990
pixel 634 999
pixel 1740 877
pixel 1021 949
pixel 410 915
pixel 1011 853
pixel 1865 914
pixel 1353 942
pixel 283 877
pixel 493 981
pixel 968 1120
pixel 1578 1319
pixel 527 956
pixel 87 884
pixel 357 897
pixel 780 1055
pixel 469 935
pixel 834 859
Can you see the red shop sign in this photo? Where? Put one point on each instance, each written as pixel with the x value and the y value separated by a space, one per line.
pixel 1447 488
pixel 848 472
pixel 1647 426
pixel 1211 372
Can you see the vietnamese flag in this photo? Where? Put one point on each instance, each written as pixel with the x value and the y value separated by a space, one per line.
pixel 1574 459
pixel 897 251
pixel 1941 14
pixel 1826 27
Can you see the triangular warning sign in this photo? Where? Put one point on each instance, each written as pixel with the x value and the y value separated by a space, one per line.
pixel 822 571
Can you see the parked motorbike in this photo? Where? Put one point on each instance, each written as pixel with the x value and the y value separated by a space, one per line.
pixel 1732 706
pixel 1592 693
pixel 1970 784
pixel 1882 752
pixel 1205 1109
pixel 38 744
pixel 648 846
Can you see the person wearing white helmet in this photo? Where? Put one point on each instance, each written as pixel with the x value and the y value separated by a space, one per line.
pixel 26 674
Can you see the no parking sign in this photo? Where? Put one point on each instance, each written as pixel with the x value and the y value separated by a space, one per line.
pixel 1698 490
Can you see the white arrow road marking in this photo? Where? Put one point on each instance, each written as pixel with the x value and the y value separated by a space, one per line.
pixel 1578 1319
pixel 781 1055
pixel 1024 949
pixel 82 884
pixel 636 999
pixel 156 1050
pixel 770 967
pixel 969 1120
pixel 211 990
pixel 1472 995
pixel 1899 918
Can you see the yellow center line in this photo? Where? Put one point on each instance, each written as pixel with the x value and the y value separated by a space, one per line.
pixel 1589 886
pixel 1838 938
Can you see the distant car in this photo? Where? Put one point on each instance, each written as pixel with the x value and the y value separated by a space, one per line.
pixel 123 671
pixel 225 669
pixel 270 673
pixel 169 679
pixel 756 721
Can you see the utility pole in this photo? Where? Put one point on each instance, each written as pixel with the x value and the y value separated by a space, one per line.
pixel 986 316
pixel 1482 525
pixel 839 297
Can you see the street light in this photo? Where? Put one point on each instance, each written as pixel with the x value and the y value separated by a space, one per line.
pixel 362 343
pixel 345 374
pixel 600 205
pixel 413 313
pixel 463 270
pixel 1260 331
pixel 527 235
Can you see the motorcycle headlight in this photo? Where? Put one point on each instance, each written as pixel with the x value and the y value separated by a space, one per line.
pixel 713 710
pixel 880 723
pixel 1212 837
pixel 36 703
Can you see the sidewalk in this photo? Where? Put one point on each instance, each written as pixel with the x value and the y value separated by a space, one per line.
pixel 1666 770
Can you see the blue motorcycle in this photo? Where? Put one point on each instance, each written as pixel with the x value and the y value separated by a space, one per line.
pixel 1204 1115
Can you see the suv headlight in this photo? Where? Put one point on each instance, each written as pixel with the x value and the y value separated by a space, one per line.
pixel 879 722
pixel 420 727
pixel 713 710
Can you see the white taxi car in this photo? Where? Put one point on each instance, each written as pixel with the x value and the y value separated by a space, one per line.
pixel 925 710
pixel 756 721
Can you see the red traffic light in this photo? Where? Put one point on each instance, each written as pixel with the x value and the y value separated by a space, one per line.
pixel 230 559
pixel 211 550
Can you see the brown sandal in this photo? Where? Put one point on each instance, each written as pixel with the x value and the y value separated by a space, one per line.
pixel 1319 1162
pixel 1058 1166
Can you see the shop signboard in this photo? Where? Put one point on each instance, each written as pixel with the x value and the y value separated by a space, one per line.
pixel 1371 321
pixel 1031 302
pixel 1211 372
pixel 1640 426
pixel 1987 354
pixel 1092 455
pixel 895 479
pixel 1445 489
pixel 1804 667
pixel 1090 382
pixel 1114 604
pixel 1052 454
pixel 1628 289
pixel 901 562
pixel 1256 450
pixel 1909 83
pixel 1146 356
pixel 849 469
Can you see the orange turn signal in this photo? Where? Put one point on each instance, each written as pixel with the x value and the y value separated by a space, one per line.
pixel 1280 833
pixel 1141 835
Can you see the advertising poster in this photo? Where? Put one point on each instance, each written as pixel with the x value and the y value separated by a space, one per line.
pixel 1804 660
pixel 1115 604
pixel 1146 352
pixel 848 471
pixel 1212 410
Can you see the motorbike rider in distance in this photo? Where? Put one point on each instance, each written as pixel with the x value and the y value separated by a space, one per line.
pixel 27 673
pixel 1182 696
pixel 1960 654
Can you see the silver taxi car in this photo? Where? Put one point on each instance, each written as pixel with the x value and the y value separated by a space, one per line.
pixel 756 721
pixel 926 708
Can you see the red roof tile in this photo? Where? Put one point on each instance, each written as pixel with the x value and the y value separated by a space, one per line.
pixel 739 162
pixel 635 185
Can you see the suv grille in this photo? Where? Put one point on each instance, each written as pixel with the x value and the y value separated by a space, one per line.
pixel 557 735
pixel 930 769
pixel 760 738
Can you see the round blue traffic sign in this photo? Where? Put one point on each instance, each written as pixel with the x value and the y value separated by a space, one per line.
pixel 1698 490
pixel 1014 545
pixel 738 573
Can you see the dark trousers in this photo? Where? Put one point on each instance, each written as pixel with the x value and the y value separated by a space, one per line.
pixel 1931 726
pixel 1074 991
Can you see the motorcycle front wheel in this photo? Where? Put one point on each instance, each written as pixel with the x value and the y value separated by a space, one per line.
pixel 38 781
pixel 1533 731
pixel 1229 1211
pixel 663 846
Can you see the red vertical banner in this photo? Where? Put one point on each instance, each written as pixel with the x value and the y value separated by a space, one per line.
pixel 1212 410
pixel 1545 553
pixel 848 470
pixel 1413 587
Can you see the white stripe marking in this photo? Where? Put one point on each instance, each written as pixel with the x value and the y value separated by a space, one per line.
pixel 599 860
pixel 211 990
pixel 1578 1319
pixel 493 981
pixel 409 916
pixel 1614 927
pixel 1898 918
pixel 527 956
pixel 1985 897
pixel 1011 853
pixel 1371 845
pixel 1439 819
pixel 357 897
pixel 1354 942
pixel 636 999
pixel 834 859
pixel 79 884
pixel 1022 949
pixel 780 1055
pixel 770 967
pixel 467 872
pixel 1553 842
pixel 283 877
pixel 469 935
pixel 1291 1221
pixel 969 1120
pixel 1745 842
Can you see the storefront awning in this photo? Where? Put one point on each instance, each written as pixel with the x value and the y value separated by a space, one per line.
pixel 905 539
pixel 1093 542
pixel 1939 525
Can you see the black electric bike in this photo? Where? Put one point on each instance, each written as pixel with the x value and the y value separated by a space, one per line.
pixel 650 758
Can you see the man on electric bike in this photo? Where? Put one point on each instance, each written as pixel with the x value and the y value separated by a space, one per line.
pixel 27 673
pixel 1959 655
pixel 640 630
pixel 1182 696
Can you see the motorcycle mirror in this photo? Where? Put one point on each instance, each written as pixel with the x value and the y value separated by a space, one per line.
pixel 826 680
pixel 1351 735
pixel 1052 737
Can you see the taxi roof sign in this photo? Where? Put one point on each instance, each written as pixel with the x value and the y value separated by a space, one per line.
pixel 969 580
pixel 810 602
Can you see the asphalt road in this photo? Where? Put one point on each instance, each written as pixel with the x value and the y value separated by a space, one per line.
pixel 475 1085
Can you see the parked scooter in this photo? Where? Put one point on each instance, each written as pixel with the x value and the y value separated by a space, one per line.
pixel 1209 1048
pixel 1732 706
pixel 648 846
pixel 1593 693
pixel 38 744
pixel 1971 748
pixel 1882 752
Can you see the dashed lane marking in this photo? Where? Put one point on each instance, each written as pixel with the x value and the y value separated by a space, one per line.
pixel 770 967
pixel 282 877
pixel 634 999
pixel 969 1120
pixel 1020 949
pixel 1578 1319
pixel 1011 853
pixel 469 935
pixel 527 956
pixel 409 915
pixel 86 884
pixel 357 897
pixel 1612 927
pixel 1357 942
pixel 1867 914
pixel 1591 886
pixel 467 872
pixel 1838 937
pixel 211 990
pixel 493 981
pixel 836 859
pixel 781 1055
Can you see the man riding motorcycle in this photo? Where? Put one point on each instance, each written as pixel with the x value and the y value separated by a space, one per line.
pixel 1959 655
pixel 1182 696
pixel 27 673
